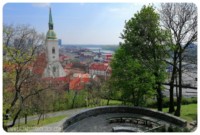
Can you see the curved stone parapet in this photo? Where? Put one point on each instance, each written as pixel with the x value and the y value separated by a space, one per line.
pixel 124 109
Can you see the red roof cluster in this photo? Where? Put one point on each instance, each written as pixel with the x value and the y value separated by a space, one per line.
pixel 78 82
pixel 99 66
pixel 75 84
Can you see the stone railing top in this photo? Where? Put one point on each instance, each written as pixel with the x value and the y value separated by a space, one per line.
pixel 125 109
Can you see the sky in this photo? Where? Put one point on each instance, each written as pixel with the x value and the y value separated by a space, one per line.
pixel 75 23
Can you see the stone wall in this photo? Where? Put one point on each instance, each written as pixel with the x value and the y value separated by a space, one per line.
pixel 124 109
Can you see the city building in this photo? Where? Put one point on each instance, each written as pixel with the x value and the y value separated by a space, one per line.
pixel 53 68
pixel 59 42
pixel 101 69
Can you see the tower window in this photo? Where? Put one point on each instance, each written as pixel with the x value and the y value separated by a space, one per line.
pixel 53 50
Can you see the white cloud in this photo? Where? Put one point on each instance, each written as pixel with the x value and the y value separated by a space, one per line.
pixel 122 12
pixel 41 5
pixel 82 4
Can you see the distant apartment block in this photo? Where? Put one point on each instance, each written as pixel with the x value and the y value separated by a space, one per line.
pixel 59 42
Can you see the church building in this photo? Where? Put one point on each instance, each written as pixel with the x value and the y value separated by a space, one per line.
pixel 53 68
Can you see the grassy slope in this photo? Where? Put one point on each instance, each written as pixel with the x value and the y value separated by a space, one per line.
pixel 33 124
pixel 111 102
pixel 188 112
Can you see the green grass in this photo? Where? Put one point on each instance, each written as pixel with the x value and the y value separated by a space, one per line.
pixel 111 102
pixel 188 112
pixel 33 124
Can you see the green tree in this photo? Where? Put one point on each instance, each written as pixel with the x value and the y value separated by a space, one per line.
pixel 107 91
pixel 94 94
pixel 131 78
pixel 145 41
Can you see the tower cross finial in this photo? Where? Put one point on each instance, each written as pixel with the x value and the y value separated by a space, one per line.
pixel 50 20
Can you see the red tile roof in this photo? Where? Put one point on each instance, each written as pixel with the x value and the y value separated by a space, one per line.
pixel 99 66
pixel 74 84
pixel 78 82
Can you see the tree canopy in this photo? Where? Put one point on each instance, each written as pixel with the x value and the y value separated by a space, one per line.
pixel 131 78
pixel 144 49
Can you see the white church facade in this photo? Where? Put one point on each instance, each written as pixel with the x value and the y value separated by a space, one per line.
pixel 54 68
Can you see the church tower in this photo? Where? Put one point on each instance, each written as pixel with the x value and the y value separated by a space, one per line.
pixel 54 68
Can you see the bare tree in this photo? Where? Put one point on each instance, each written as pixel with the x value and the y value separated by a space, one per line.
pixel 20 45
pixel 181 20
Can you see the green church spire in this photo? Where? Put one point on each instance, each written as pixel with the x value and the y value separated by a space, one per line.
pixel 51 34
pixel 50 20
